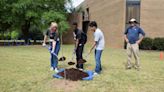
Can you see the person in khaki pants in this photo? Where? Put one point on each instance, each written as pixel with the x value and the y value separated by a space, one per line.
pixel 133 40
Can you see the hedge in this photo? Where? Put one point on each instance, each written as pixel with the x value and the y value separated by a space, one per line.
pixel 152 44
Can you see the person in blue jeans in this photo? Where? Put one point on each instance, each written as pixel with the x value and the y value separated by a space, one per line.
pixel 99 44
pixel 53 35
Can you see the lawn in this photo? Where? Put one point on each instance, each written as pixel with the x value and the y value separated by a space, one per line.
pixel 26 69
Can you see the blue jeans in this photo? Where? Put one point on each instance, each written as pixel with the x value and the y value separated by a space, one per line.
pixel 98 67
pixel 54 59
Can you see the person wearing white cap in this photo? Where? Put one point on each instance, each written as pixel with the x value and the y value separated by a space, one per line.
pixel 133 39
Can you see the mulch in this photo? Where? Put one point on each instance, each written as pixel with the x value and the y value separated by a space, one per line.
pixel 73 74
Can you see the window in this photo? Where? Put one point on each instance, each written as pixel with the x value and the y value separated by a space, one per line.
pixel 132 10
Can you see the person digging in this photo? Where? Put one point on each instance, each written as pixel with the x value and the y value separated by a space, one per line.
pixel 98 45
pixel 80 39
pixel 53 35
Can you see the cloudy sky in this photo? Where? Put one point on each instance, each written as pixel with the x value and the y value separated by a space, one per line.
pixel 77 2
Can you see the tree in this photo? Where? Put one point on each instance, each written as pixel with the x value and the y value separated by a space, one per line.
pixel 6 17
pixel 25 13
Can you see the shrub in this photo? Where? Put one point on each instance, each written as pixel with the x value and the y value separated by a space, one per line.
pixel 146 44
pixel 158 44
pixel 15 34
pixel 1 36
pixel 7 36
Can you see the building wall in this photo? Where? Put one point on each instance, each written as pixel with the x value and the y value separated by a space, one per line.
pixel 68 35
pixel 152 17
pixel 110 16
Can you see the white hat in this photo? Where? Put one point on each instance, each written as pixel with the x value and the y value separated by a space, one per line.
pixel 133 20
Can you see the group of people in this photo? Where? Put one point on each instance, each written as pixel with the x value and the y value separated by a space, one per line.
pixel 131 36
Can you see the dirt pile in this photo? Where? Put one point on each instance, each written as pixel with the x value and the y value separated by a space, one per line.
pixel 73 74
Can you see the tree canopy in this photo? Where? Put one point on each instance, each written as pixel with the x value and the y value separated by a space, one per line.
pixel 22 14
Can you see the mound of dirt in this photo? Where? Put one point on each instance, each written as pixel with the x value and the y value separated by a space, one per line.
pixel 73 74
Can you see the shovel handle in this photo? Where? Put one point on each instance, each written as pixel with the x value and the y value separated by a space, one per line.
pixel 50 51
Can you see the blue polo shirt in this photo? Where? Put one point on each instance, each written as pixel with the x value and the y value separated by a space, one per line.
pixel 133 34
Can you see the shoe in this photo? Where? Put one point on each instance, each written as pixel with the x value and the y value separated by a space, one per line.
pixel 51 69
pixel 56 70
pixel 137 67
pixel 81 69
pixel 128 67
pixel 95 74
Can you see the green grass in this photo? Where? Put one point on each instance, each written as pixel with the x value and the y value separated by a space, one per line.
pixel 26 69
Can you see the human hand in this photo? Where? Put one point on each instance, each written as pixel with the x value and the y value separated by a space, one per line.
pixel 138 42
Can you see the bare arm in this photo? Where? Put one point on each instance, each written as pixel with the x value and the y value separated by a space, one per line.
pixel 45 40
pixel 74 36
pixel 53 45
pixel 93 46
pixel 126 39
pixel 76 43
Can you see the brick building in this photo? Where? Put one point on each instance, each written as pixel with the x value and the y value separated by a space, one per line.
pixel 112 17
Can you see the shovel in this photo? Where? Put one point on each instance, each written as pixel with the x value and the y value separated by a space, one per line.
pixel 81 61
pixel 71 61
pixel 51 52
pixel 63 58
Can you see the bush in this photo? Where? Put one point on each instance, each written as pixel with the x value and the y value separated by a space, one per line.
pixel 1 36
pixel 15 34
pixel 146 44
pixel 7 36
pixel 158 44
pixel 152 44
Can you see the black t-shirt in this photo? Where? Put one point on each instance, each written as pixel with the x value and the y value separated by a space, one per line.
pixel 78 34
pixel 52 35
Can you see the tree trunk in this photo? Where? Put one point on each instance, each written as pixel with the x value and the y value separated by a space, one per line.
pixel 25 30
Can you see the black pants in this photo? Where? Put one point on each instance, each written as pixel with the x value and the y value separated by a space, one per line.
pixel 79 55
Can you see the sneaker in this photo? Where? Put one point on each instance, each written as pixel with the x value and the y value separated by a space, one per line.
pixel 95 74
pixel 128 67
pixel 56 70
pixel 81 69
pixel 137 67
pixel 51 69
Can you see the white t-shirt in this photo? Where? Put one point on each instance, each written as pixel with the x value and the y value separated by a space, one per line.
pixel 99 38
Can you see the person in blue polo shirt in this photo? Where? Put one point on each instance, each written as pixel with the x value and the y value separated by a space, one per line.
pixel 133 37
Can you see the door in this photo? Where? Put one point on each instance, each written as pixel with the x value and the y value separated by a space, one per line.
pixel 132 11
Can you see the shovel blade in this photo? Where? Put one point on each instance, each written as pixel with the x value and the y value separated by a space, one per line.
pixel 63 58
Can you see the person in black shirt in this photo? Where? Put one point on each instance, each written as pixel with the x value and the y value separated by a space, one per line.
pixel 53 35
pixel 79 44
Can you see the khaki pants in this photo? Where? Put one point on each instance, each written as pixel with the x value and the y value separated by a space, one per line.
pixel 133 49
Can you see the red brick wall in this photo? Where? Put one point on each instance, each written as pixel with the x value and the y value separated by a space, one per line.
pixel 152 17
pixel 109 15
